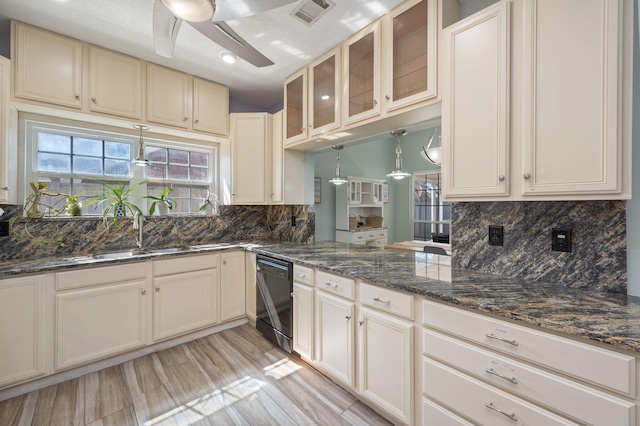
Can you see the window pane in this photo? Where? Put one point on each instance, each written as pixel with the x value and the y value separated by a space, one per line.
pixel 199 159
pixel 117 168
pixel 181 205
pixel 54 163
pixel 199 174
pixel 178 156
pixel 180 191
pixel 199 192
pixel 178 172
pixel 156 154
pixel 117 150
pixel 54 143
pixel 87 165
pixel 90 147
pixel 155 170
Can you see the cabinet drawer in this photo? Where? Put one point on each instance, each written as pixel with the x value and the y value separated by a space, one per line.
pixel 387 300
pixel 302 274
pixel 479 401
pixel 103 275
pixel 181 264
pixel 434 415
pixel 345 287
pixel 564 355
pixel 578 401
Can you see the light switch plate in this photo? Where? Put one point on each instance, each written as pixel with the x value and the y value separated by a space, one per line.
pixel 496 235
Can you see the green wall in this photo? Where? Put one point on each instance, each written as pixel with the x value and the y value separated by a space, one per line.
pixel 374 160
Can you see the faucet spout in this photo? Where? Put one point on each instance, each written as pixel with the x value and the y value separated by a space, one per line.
pixel 138 220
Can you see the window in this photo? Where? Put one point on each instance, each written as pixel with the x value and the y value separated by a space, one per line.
pixel 76 161
pixel 431 215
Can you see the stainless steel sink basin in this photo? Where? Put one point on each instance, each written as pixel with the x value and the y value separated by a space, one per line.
pixel 119 254
pixel 168 250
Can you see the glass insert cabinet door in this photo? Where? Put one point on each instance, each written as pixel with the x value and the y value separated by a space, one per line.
pixel 295 98
pixel 324 84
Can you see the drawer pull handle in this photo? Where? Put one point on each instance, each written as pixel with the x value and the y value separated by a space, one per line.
pixel 508 379
pixel 493 336
pixel 331 285
pixel 348 318
pixel 386 302
pixel 300 274
pixel 490 405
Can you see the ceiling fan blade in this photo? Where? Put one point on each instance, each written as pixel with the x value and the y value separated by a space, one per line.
pixel 165 29
pixel 221 34
pixel 227 10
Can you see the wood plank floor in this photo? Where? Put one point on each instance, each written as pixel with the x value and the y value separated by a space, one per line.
pixel 235 377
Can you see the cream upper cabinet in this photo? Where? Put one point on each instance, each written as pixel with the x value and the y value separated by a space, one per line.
pixel 572 97
pixel 361 53
pixel 5 165
pixel 232 285
pixel 168 96
pixel 475 104
pixel 47 67
pixel 250 144
pixel 115 83
pixel 528 112
pixel 295 107
pixel 22 315
pixel 324 93
pixel 410 52
pixel 210 107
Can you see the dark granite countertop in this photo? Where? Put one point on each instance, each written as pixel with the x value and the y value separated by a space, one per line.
pixel 612 319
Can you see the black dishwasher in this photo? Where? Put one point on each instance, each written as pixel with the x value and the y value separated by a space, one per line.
pixel 274 304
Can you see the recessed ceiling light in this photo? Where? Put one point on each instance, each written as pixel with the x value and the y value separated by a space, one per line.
pixel 229 57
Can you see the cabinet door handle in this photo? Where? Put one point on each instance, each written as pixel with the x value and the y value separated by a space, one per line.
pixel 501 178
pixel 387 97
pixel 224 262
pixel 93 99
pixel 508 379
pixel 361 322
pixel 144 292
pixel 292 294
pixel 5 188
pixel 157 288
pixel 331 285
pixel 300 274
pixel 186 118
pixel 526 175
pixel 490 405
pixel 386 302
pixel 348 317
pixel 493 336
pixel 197 120
pixel 76 96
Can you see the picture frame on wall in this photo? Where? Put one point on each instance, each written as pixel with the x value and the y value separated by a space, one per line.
pixel 385 192
pixel 317 190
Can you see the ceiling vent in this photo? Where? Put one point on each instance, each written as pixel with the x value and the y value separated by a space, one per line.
pixel 310 11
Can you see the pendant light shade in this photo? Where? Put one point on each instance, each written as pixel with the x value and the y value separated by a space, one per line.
pixel 191 10
pixel 338 179
pixel 398 173
pixel 141 160
pixel 430 153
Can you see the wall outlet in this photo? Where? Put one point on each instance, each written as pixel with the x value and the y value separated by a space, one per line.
pixel 561 239
pixel 496 235
pixel 4 229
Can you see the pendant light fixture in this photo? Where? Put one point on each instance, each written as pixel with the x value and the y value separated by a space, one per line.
pixel 338 179
pixel 191 10
pixel 433 154
pixel 141 160
pixel 398 173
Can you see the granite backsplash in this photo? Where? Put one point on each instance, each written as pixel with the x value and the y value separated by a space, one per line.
pixel 598 260
pixel 89 235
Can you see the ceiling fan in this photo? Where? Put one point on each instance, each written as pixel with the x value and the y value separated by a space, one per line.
pixel 208 17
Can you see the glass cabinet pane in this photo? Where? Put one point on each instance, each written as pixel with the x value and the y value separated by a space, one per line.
pixel 361 74
pixel 410 51
pixel 295 111
pixel 324 99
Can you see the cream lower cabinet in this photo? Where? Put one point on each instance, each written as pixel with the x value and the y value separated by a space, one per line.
pixel 185 295
pixel 232 285
pixel 22 329
pixel 303 320
pixel 386 362
pixel 335 337
pixel 99 321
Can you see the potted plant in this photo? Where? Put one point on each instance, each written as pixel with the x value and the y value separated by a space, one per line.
pixel 163 202
pixel 116 200
pixel 73 206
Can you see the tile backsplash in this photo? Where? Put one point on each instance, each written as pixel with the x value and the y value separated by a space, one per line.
pixel 598 260
pixel 89 235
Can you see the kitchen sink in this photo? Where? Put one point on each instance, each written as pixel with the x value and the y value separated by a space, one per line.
pixel 120 254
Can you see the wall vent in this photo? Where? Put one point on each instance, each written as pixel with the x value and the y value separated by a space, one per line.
pixel 310 11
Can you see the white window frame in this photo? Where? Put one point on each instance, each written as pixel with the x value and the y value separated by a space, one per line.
pixel 31 174
pixel 440 207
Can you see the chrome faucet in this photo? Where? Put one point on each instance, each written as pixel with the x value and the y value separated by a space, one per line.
pixel 138 220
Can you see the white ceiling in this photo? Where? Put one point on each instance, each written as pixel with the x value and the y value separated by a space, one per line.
pixel 126 26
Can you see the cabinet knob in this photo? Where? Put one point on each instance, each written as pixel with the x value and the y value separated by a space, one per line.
pixel 76 96
pixel 93 99
pixel 197 120
pixel 387 97
pixel 361 322
pixel 186 118
pixel 501 178
pixel 157 288
pixel 302 129
pixel 526 175
pixel 224 262
pixel 348 318
pixel 375 102
pixel 143 292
